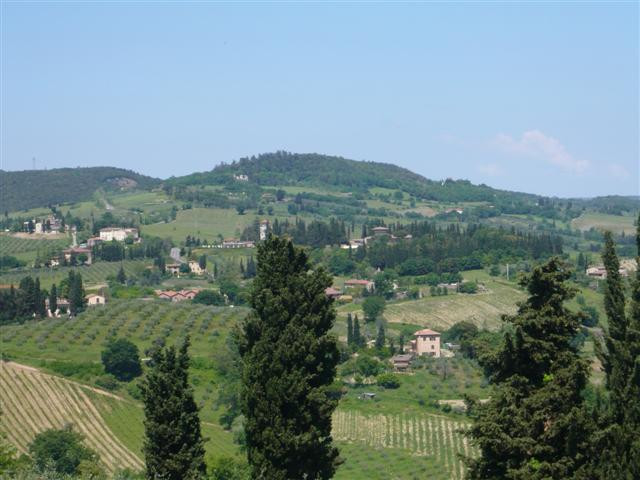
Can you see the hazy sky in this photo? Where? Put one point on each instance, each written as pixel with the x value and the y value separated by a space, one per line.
pixel 538 98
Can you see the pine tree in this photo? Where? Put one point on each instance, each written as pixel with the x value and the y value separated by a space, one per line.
pixel 380 338
pixel 616 444
pixel 349 330
pixel 173 444
pixel 53 299
pixel 289 361
pixel 533 427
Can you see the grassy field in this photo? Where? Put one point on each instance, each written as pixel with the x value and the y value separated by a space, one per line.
pixel 602 221
pixel 91 274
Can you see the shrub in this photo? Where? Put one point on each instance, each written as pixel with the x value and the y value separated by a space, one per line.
pixel 61 449
pixel 388 380
pixel 209 297
pixel 108 382
pixel 121 359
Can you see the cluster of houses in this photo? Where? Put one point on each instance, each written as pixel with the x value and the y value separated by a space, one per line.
pixel 93 300
pixel 235 243
pixel 118 234
pixel 194 267
pixel 378 232
pixel 49 225
pixel 177 296
pixel 599 272
pixel 425 342
pixel 352 283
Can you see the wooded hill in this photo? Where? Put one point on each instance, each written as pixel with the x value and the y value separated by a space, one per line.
pixel 315 170
pixel 39 188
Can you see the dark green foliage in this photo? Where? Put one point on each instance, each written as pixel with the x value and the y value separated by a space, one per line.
pixel 39 188
pixel 228 468
pixel 349 330
pixel 368 366
pixel 173 445
pixel 53 298
pixel 209 297
pixel 464 334
pixel 289 363
pixel 27 301
pixel 8 261
pixel 616 446
pixel 77 300
pixel 380 338
pixel 358 338
pixel 61 449
pixel 388 380
pixel 121 359
pixel 121 277
pixel 373 308
pixel 533 427
pixel 468 287
pixel 202 262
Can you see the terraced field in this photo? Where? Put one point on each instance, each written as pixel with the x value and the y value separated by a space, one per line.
pixel 433 438
pixel 91 274
pixel 34 401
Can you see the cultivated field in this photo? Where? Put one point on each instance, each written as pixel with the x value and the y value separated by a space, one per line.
pixel 433 437
pixel 13 244
pixel 96 273
pixel 603 221
pixel 33 402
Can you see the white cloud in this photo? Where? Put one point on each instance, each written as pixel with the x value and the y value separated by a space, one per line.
pixel 618 171
pixel 491 169
pixel 536 144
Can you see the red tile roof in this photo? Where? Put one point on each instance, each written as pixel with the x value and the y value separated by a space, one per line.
pixel 426 331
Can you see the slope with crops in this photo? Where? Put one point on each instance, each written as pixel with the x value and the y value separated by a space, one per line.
pixel 34 401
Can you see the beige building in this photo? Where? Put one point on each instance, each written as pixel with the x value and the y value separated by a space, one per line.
pixel 93 300
pixel 427 342
pixel 195 267
pixel 119 234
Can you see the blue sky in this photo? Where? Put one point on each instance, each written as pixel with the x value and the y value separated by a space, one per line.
pixel 540 97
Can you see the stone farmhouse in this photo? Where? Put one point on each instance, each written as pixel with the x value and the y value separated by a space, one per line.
pixel 426 342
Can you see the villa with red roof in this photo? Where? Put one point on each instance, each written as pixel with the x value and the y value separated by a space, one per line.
pixel 427 342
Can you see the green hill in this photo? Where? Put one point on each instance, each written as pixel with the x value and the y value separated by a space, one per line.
pixel 39 188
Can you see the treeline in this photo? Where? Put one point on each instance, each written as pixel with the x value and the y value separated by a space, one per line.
pixel 29 300
pixel 453 249
pixel 39 188
pixel 114 251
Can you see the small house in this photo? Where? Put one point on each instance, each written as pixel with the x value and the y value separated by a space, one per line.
pixel 93 300
pixel 402 362
pixel 332 293
pixel 173 268
pixel 195 267
pixel 355 283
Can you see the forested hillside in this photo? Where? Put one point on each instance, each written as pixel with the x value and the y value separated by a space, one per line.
pixel 39 188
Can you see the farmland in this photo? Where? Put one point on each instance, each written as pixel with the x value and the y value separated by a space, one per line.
pixel 601 221
pixel 433 438
pixel 33 401
pixel 13 244
pixel 96 273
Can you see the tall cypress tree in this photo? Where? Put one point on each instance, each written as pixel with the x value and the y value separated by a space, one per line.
pixel 349 330
pixel 358 339
pixel 616 445
pixel 380 338
pixel 289 360
pixel 53 299
pixel 77 300
pixel 173 444
pixel 533 427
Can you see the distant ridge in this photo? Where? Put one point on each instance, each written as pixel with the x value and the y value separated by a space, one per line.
pixel 39 188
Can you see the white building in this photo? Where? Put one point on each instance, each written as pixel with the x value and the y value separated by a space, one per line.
pixel 427 342
pixel 119 234
pixel 264 229
pixel 93 300
pixel 195 267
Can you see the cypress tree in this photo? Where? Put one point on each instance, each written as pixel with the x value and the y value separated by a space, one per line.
pixel 121 278
pixel 380 338
pixel 289 361
pixel 358 339
pixel 349 330
pixel 53 299
pixel 173 445
pixel 77 300
pixel 533 427
pixel 616 445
